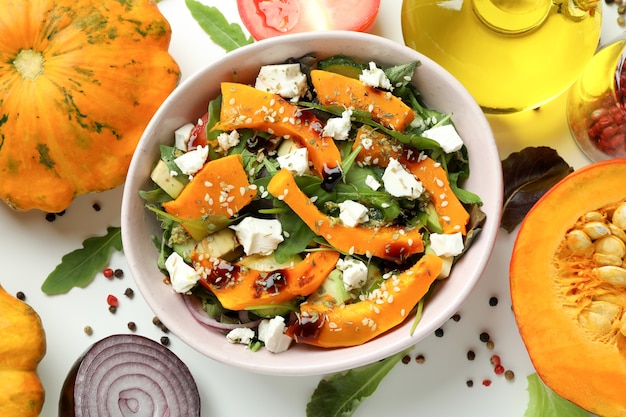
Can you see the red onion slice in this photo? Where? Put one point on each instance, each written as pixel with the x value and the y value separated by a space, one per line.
pixel 194 304
pixel 129 375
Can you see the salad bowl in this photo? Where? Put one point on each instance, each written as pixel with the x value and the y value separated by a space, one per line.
pixel 188 102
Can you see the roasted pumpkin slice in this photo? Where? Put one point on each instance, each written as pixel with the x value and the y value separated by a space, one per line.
pixel 568 287
pixel 79 82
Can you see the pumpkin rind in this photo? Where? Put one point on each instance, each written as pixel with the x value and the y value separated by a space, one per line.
pixel 22 347
pixel 580 366
pixel 70 123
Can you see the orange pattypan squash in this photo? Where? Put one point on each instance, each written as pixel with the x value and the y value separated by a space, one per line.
pixel 22 347
pixel 79 82
pixel 568 287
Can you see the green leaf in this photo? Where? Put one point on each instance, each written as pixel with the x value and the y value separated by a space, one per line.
pixel 229 36
pixel 544 402
pixel 79 267
pixel 340 394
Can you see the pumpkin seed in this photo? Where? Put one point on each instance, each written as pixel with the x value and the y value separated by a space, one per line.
pixel 599 316
pixel 610 245
pixel 614 275
pixel 593 216
pixel 602 259
pixel 596 230
pixel 616 231
pixel 619 216
pixel 579 242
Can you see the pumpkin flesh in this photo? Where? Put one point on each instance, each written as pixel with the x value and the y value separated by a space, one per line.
pixel 570 319
pixel 79 82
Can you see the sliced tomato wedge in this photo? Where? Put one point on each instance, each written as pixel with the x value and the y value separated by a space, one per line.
pixel 267 18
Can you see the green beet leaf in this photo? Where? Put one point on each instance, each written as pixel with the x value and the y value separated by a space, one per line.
pixel 544 402
pixel 79 267
pixel 229 36
pixel 340 394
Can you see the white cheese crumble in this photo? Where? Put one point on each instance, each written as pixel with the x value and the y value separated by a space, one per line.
pixel 372 182
pixel 447 137
pixel 401 183
pixel 241 335
pixel 352 213
pixel 446 244
pixel 375 77
pixel 285 80
pixel 271 332
pixel 191 162
pixel 260 236
pixel 296 161
pixel 228 140
pixel 183 277
pixel 181 136
pixel 354 273
pixel 338 127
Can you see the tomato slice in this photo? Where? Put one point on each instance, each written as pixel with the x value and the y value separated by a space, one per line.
pixel 268 18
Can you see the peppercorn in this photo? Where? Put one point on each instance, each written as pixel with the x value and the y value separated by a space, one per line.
pixel 118 273
pixel 165 340
pixel 471 355
pixel 20 296
pixel 51 217
pixel 439 332
pixel 486 382
pixel 456 317
pixel 406 359
pixel 484 337
pixel 112 300
pixel 96 206
pixel 108 273
pixel 490 345
pixel 112 309
pixel 493 301
pixel 469 383
pixel 420 359
pixel 495 360
pixel 88 330
pixel 129 293
pixel 132 326
pixel 498 369
pixel 509 375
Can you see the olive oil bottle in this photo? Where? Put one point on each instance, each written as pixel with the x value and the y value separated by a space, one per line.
pixel 511 55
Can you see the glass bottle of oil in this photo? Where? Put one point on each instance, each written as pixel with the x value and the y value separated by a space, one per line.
pixel 511 55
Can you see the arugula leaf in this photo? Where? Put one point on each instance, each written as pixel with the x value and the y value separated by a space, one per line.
pixel 340 394
pixel 79 267
pixel 544 402
pixel 229 36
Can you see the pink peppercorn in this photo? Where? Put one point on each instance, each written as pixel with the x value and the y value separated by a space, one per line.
pixel 112 300
pixel 108 273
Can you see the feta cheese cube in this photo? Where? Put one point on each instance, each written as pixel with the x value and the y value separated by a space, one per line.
pixel 446 244
pixel 191 162
pixel 354 273
pixel 285 80
pixel 271 332
pixel 183 277
pixel 241 335
pixel 375 77
pixel 228 140
pixel 338 127
pixel 401 183
pixel 447 137
pixel 372 182
pixel 260 236
pixel 352 213
pixel 296 161
pixel 181 136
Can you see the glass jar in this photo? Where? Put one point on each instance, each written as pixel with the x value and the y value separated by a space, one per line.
pixel 596 104
pixel 511 55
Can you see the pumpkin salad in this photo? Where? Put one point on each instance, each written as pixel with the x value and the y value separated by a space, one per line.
pixel 318 205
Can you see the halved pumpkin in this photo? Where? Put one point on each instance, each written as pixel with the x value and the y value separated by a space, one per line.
pixel 79 81
pixel 572 319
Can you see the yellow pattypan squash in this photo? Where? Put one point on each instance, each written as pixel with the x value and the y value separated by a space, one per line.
pixel 22 347
pixel 79 81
